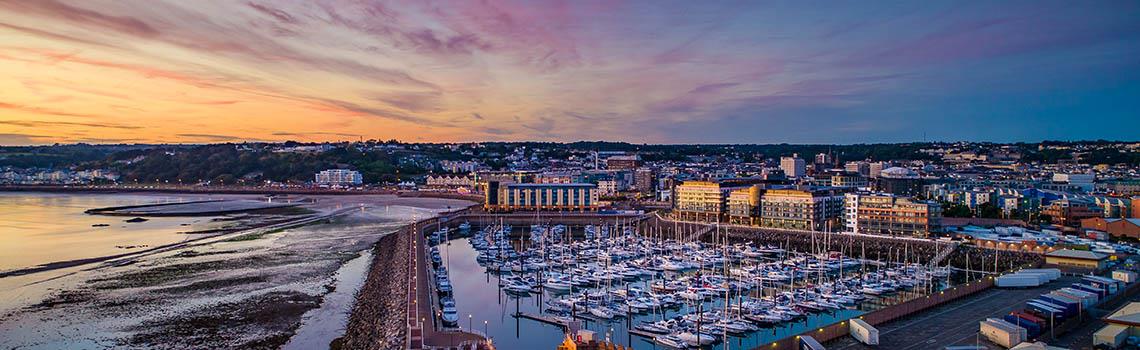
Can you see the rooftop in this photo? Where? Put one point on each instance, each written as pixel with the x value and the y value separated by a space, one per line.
pixel 1127 315
pixel 551 185
pixel 1077 254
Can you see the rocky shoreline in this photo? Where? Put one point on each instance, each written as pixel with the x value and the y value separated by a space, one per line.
pixel 378 319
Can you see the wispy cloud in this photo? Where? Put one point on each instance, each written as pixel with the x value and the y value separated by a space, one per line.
pixel 48 124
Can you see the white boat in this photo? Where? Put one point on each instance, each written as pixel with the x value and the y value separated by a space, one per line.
pixel 692 339
pixel 601 312
pixel 670 341
pixel 554 284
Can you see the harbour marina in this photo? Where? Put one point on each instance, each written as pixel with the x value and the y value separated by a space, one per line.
pixel 650 290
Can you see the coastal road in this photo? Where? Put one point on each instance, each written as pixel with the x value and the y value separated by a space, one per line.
pixel 955 323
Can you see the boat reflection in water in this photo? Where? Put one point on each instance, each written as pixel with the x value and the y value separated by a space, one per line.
pixel 647 292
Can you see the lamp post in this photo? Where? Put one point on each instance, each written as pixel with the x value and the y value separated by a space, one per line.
pixel 469 322
pixel 485 332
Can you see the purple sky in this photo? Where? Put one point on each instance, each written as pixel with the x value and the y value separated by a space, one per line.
pixel 650 71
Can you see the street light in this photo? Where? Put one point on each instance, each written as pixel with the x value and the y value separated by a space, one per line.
pixel 469 322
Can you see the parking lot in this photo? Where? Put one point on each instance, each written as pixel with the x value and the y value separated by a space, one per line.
pixel 955 323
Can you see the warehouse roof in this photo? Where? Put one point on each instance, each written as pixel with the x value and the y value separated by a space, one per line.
pixel 1077 254
pixel 1128 315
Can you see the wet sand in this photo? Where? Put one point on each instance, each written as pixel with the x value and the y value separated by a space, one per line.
pixel 245 289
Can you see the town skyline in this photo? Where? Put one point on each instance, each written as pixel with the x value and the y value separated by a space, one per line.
pixel 685 73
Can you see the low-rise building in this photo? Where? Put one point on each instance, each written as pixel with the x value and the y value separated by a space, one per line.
pixel 1076 260
pixel 447 181
pixel 1115 227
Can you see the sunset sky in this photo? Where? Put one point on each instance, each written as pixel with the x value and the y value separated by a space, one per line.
pixel 147 71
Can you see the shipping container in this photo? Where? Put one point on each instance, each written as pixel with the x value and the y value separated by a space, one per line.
pixel 1089 288
pixel 1030 317
pixel 864 332
pixel 1072 306
pixel 1018 281
pixel 809 343
pixel 1041 276
pixel 1124 276
pixel 1085 301
pixel 1107 284
pixel 1048 313
pixel 1112 335
pixel 1084 294
pixel 1001 332
pixel 1052 273
pixel 1032 329
pixel 1065 308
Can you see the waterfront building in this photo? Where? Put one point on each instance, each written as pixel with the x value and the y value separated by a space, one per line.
pixel 802 208
pixel 532 196
pixel 705 200
pixel 338 177
pixel 888 214
pixel 793 167
pixel 744 205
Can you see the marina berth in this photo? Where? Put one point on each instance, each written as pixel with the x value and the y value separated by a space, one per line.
pixel 678 292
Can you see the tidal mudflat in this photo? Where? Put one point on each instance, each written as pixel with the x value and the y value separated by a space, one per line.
pixel 249 288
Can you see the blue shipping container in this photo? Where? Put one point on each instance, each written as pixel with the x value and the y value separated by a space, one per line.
pixel 1032 329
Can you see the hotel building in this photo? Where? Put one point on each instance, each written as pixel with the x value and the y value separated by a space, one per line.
pixel 816 209
pixel 705 200
pixel 532 196
pixel 891 215
pixel 744 205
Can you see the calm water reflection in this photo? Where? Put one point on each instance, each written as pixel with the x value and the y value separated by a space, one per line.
pixel 41 228
pixel 479 300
